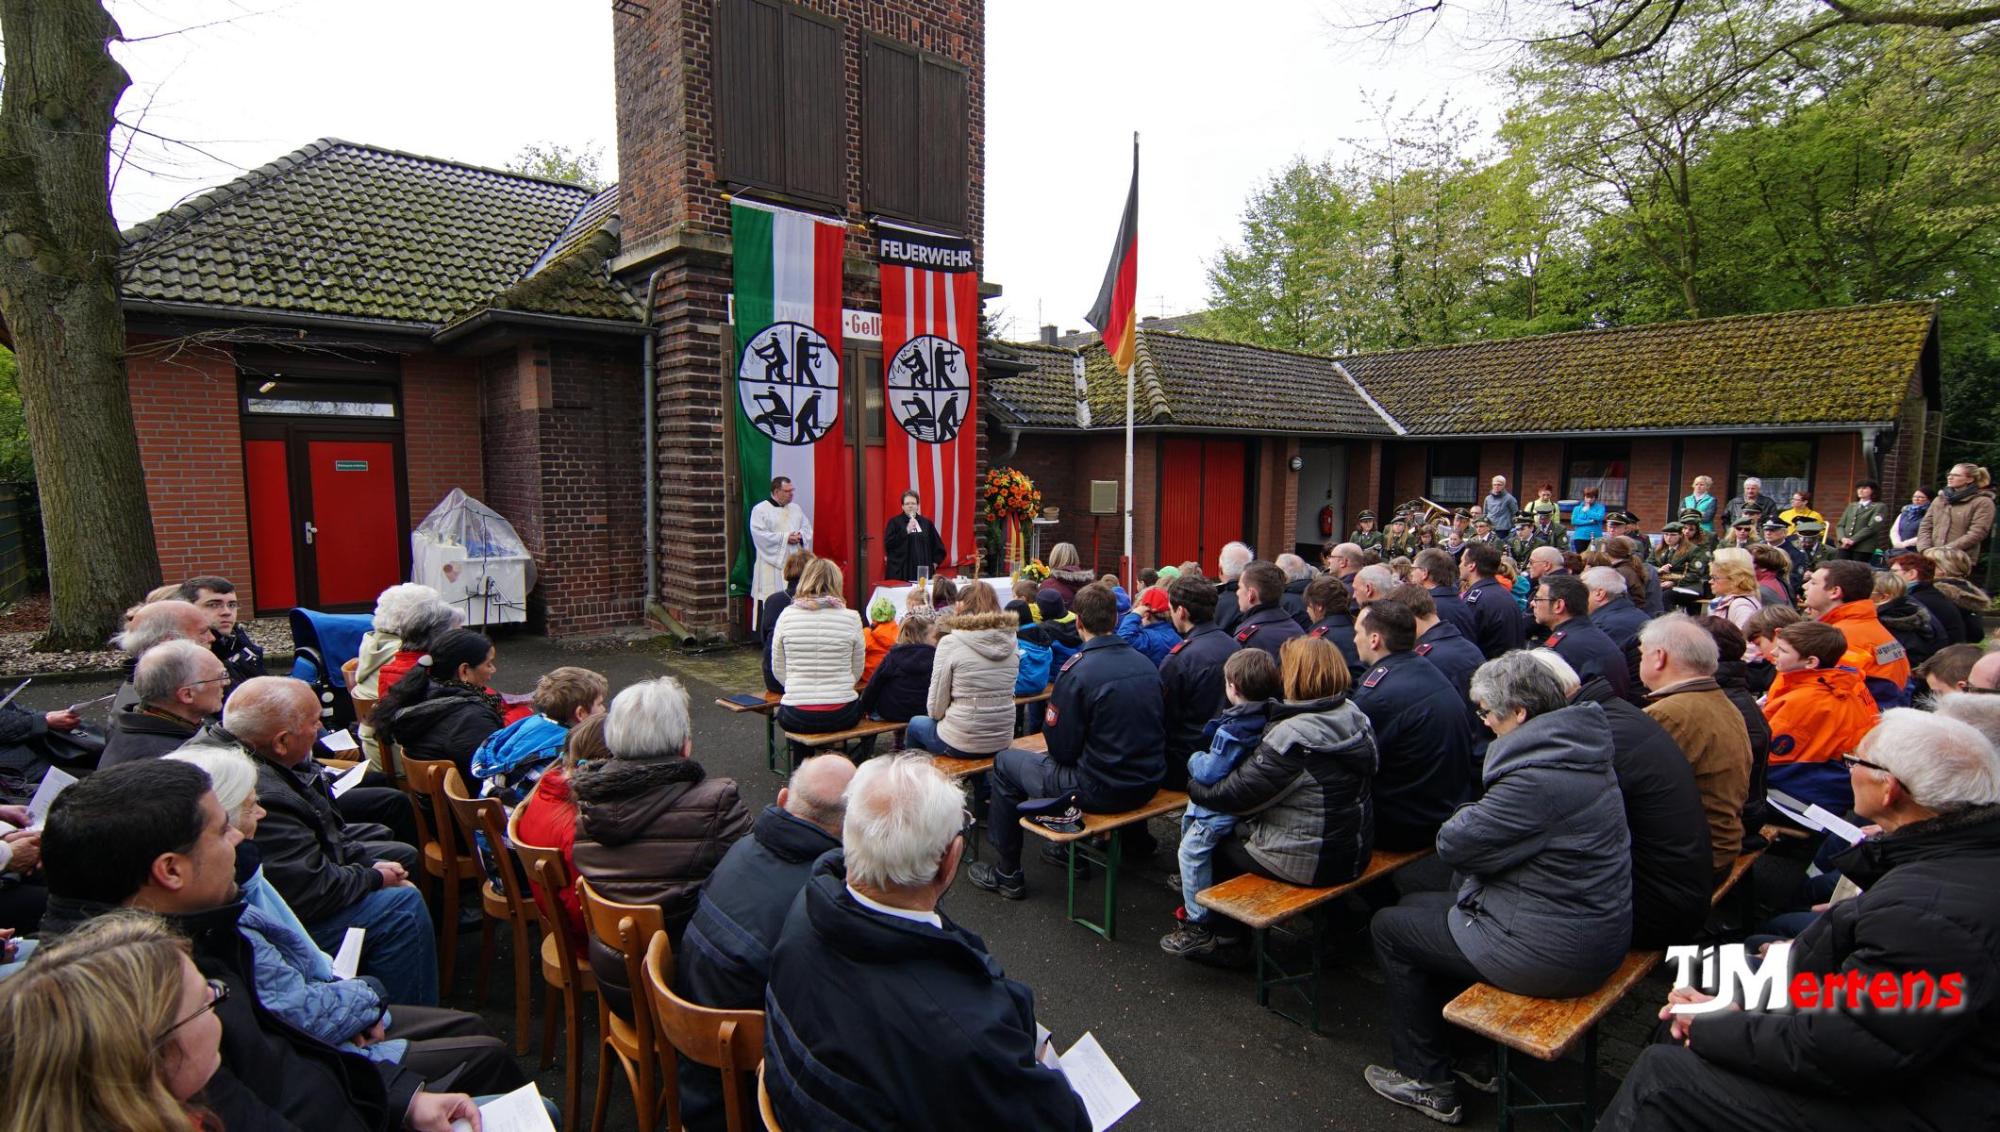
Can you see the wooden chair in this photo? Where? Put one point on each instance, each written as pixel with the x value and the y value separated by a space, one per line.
pixel 730 1041
pixel 564 968
pixel 764 1108
pixel 446 861
pixel 649 1070
pixel 509 903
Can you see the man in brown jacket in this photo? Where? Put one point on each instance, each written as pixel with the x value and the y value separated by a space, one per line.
pixel 1677 660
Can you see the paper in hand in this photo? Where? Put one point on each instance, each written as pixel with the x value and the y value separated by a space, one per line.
pixel 1106 1094
pixel 350 779
pixel 339 740
pixel 518 1111
pixel 54 782
pixel 1835 824
pixel 348 962
pixel 1045 1051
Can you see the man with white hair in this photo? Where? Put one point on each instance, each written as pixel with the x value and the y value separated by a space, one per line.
pixel 1873 1040
pixel 1499 506
pixel 1677 662
pixel 1753 504
pixel 724 960
pixel 1611 607
pixel 1372 584
pixel 1298 575
pixel 882 1013
pixel 1543 561
pixel 334 874
pixel 1230 563
pixel 1982 713
pixel 155 623
pixel 178 683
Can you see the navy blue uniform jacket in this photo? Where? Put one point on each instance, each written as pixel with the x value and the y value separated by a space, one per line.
pixel 1107 717
pixel 1425 744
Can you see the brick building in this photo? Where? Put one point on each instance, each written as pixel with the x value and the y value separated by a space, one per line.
pixel 323 348
pixel 1239 442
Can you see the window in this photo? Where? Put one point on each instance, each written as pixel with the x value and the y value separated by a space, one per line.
pixel 273 396
pixel 1454 474
pixel 1784 465
pixel 781 100
pixel 914 136
pixel 1603 464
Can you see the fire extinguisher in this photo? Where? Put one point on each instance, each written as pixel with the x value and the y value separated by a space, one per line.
pixel 1326 520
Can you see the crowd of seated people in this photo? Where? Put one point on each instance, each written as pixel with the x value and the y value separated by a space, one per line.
pixel 1582 795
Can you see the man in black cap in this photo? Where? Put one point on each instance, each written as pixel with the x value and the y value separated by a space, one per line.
pixel 1523 541
pixel 1742 533
pixel 1811 541
pixel 1778 533
pixel 1683 559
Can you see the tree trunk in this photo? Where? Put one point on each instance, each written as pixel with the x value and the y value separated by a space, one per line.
pixel 59 297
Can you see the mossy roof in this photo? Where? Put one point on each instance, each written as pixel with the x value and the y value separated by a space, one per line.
pixel 1793 370
pixel 336 228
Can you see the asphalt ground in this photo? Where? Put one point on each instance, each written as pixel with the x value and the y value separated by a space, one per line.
pixel 1192 1040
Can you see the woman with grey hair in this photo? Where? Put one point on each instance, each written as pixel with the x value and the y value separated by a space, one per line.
pixel 1544 872
pixel 407 616
pixel 650 823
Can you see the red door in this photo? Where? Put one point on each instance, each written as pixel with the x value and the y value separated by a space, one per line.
pixel 355 534
pixel 1202 490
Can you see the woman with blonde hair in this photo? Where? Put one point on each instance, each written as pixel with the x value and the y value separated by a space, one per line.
pixel 818 654
pixel 110 1028
pixel 1951 570
pixel 1735 587
pixel 1962 515
pixel 1701 499
pixel 1066 572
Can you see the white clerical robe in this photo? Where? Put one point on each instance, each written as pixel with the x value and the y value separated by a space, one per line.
pixel 771 527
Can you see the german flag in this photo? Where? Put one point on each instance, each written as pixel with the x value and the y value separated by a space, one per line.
pixel 1115 314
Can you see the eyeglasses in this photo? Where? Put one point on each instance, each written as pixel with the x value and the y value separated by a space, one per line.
pixel 1852 761
pixel 218 993
pixel 224 679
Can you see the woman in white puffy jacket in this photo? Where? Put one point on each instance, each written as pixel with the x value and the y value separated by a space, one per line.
pixel 971 709
pixel 817 654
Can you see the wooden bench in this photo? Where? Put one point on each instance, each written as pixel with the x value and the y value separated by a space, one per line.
pixel 768 708
pixel 1262 904
pixel 1163 802
pixel 957 768
pixel 1548 1028
pixel 866 729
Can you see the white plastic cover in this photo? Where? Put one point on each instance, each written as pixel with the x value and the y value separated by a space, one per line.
pixel 473 557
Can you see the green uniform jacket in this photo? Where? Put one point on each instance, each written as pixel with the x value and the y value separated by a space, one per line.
pixel 1867 524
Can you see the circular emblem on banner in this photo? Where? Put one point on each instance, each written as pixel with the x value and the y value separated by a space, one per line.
pixel 788 381
pixel 929 388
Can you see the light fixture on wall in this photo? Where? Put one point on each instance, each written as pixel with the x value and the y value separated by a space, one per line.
pixel 1295 463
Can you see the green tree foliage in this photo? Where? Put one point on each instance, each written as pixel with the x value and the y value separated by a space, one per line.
pixel 1702 176
pixel 17 464
pixel 576 165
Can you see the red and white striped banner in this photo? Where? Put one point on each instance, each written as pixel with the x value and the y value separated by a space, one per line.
pixel 930 336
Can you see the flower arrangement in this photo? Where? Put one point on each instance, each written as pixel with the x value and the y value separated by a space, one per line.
pixel 1033 571
pixel 1009 494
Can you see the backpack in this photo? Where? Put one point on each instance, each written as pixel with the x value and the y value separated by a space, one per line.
pixel 1036 663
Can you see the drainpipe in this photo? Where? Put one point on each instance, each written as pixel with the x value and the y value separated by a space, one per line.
pixel 1013 442
pixel 649 380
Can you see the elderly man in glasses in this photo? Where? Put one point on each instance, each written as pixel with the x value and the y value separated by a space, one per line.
pixel 180 685
pixel 1895 993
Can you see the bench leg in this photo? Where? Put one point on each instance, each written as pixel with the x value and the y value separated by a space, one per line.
pixel 1505 1075
pixel 1512 1090
pixel 1110 861
pixel 771 742
pixel 1271 976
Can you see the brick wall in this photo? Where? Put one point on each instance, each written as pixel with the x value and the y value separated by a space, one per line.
pixel 1364 483
pixel 185 412
pixel 1408 477
pixel 1650 492
pixel 669 189
pixel 591 482
pixel 441 419
pixel 512 392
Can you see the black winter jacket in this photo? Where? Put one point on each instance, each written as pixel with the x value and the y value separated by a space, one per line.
pixel 724 959
pixel 767 624
pixel 310 857
pixel 1294 601
pixel 1949 616
pixel 1926 905
pixel 136 733
pixel 1733 678
pixel 1452 611
pixel 900 688
pixel 275 1077
pixel 450 722
pixel 1338 628
pixel 1671 875
pixel 879 1024
pixel 1267 627
pixel 1914 627
pixel 1304 793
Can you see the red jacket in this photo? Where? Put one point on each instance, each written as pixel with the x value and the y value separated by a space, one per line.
pixel 548 817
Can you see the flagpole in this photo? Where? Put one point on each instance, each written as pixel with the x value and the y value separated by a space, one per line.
pixel 1131 566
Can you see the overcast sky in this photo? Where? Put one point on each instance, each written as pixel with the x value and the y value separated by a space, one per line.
pixel 1220 102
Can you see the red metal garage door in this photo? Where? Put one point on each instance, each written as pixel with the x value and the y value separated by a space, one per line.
pixel 1202 491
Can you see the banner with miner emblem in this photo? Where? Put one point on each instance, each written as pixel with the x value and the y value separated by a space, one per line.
pixel 788 360
pixel 930 335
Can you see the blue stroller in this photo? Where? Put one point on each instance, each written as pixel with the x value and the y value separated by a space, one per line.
pixel 322 644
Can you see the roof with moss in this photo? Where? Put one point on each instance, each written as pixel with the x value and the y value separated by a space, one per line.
pixel 1835 368
pixel 357 231
pixel 1186 382
pixel 1796 369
